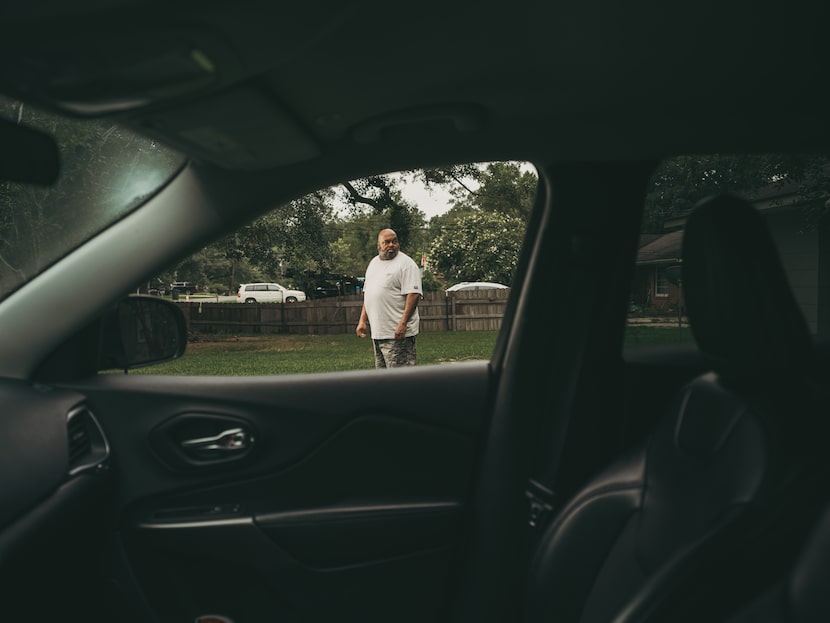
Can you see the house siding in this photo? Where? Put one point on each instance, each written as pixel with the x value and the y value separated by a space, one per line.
pixel 804 251
pixel 799 251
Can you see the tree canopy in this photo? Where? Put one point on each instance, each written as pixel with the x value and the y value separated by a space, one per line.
pixel 479 238
pixel 334 231
pixel 478 246
pixel 679 183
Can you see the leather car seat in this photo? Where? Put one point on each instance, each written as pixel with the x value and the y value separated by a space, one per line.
pixel 721 450
pixel 801 595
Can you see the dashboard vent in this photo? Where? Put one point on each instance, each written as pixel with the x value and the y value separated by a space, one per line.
pixel 79 443
pixel 88 447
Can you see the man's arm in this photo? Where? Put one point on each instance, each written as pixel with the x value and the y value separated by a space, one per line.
pixel 411 305
pixel 362 323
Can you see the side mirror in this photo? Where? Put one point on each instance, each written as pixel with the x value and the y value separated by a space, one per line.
pixel 141 331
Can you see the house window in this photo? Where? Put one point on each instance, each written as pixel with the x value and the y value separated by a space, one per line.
pixel 661 283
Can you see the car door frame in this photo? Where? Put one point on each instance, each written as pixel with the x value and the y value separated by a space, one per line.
pixel 563 252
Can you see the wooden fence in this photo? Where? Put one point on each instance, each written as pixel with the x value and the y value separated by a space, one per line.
pixel 476 310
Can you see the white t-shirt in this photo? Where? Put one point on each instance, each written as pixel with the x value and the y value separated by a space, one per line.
pixel 384 295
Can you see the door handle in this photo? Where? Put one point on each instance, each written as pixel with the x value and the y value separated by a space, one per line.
pixel 230 441
pixel 203 441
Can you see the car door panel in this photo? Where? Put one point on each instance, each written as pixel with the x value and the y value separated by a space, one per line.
pixel 347 504
pixel 255 558
pixel 54 497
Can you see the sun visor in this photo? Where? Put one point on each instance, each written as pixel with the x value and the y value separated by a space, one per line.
pixel 237 129
pixel 90 74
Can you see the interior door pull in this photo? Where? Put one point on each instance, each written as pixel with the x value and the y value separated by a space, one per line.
pixel 231 440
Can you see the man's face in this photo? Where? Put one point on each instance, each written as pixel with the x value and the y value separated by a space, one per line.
pixel 388 246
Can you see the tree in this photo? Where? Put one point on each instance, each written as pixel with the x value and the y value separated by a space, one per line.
pixel 310 238
pixel 106 171
pixel 430 283
pixel 305 243
pixel 458 175
pixel 479 238
pixel 679 183
pixel 479 246
pixel 212 269
pixel 288 241
pixel 334 231
pixel 382 195
pixel 503 187
pixel 356 241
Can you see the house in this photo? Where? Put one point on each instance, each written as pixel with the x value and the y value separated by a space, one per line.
pixel 654 288
pixel 803 242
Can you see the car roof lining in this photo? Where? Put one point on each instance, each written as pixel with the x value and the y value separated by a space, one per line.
pixel 551 87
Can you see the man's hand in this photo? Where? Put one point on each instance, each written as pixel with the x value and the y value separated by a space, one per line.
pixel 361 330
pixel 400 331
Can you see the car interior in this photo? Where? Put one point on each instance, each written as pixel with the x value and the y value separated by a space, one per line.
pixel 572 476
pixel 731 452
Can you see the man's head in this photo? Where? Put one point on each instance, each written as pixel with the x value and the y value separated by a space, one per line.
pixel 388 246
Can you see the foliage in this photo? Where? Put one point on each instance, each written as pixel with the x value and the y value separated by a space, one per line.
pixel 479 238
pixel 308 238
pixel 355 241
pixel 105 172
pixel 381 193
pixel 503 187
pixel 478 246
pixel 311 237
pixel 211 268
pixel 304 244
pixel 448 219
pixel 679 183
pixel 457 174
pixel 287 242
pixel 430 283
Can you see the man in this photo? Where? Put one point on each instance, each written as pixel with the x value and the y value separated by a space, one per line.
pixel 390 303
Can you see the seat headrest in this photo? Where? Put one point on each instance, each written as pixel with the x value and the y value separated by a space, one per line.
pixel 741 308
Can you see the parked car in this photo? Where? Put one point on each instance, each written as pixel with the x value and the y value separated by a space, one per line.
pixel 183 287
pixel 336 285
pixel 267 293
pixel 572 477
pixel 476 285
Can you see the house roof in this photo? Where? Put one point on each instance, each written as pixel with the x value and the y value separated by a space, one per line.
pixel 665 249
pixel 646 239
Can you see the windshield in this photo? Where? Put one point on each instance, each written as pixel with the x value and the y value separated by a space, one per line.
pixel 106 171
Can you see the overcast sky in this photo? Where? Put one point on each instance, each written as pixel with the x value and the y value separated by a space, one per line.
pixel 437 200
pixel 433 202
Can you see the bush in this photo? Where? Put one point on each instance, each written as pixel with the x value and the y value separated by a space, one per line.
pixel 430 282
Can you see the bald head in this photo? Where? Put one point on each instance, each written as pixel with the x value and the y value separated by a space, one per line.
pixel 388 246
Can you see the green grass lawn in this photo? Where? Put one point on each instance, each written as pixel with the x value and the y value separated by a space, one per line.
pixel 298 354
pixel 652 336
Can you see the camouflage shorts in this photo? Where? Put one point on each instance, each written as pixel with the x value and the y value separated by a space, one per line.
pixel 395 353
